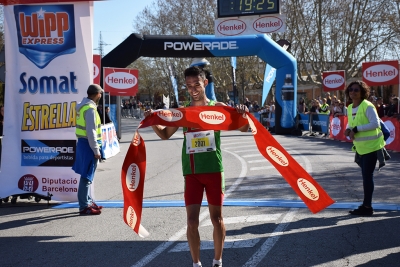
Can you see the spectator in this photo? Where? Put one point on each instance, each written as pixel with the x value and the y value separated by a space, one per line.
pixel 324 108
pixel 392 109
pixel 107 115
pixel 247 103
pixel 380 107
pixel 343 109
pixel 328 99
pixel 301 107
pixel 364 130
pixel 256 107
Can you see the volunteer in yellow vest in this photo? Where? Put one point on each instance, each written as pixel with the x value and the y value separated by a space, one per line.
pixel 324 108
pixel 88 132
pixel 364 130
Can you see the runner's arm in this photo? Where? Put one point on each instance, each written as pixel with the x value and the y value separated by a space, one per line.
pixel 240 109
pixel 164 132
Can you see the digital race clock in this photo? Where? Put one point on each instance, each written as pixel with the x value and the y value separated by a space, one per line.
pixel 236 8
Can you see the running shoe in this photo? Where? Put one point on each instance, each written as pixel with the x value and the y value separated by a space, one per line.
pixel 89 211
pixel 362 211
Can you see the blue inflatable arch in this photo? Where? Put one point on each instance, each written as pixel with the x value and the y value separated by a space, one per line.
pixel 203 46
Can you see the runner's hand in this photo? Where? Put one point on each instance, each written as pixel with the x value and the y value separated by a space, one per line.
pixel 241 109
pixel 148 113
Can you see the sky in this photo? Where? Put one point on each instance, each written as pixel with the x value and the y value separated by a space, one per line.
pixel 114 19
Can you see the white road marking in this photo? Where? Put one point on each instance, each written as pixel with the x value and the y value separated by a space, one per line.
pixel 271 240
pixel 247 219
pixel 262 168
pixel 246 150
pixel 234 243
pixel 258 161
pixel 263 187
pixel 240 146
pixel 252 155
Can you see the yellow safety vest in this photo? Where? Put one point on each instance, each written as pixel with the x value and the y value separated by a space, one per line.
pixel 323 107
pixel 80 129
pixel 366 141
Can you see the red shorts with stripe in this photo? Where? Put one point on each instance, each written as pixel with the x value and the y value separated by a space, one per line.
pixel 212 183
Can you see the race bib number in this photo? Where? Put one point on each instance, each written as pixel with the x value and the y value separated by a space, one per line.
pixel 199 142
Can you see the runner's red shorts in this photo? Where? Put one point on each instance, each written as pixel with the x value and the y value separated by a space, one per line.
pixel 212 183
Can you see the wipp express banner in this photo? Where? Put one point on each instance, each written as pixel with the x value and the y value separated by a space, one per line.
pixel 49 67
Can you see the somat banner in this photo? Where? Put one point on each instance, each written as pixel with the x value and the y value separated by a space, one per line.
pixel 213 118
pixel 49 67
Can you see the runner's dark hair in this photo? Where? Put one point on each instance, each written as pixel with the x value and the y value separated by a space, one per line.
pixel 195 71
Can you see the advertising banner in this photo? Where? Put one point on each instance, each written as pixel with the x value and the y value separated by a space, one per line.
pixel 320 123
pixel 249 25
pixel 333 80
pixel 122 82
pixel 49 67
pixel 96 68
pixel 109 140
pixel 213 118
pixel 381 73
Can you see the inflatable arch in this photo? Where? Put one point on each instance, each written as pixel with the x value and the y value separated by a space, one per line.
pixel 203 46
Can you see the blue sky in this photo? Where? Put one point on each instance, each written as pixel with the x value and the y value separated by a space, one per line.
pixel 114 19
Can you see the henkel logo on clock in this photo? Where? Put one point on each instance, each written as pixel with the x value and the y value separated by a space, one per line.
pixel 122 82
pixel 381 73
pixel 333 80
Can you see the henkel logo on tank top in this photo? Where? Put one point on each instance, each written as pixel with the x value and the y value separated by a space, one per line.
pixel 333 80
pixel 212 117
pixel 381 73
pixel 122 82
pixel 45 32
pixel 170 115
pixel 133 177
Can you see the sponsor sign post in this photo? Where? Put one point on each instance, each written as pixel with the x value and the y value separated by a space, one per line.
pixel 49 67
pixel 121 82
pixel 381 72
pixel 334 80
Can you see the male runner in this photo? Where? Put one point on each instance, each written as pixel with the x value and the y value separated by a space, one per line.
pixel 202 171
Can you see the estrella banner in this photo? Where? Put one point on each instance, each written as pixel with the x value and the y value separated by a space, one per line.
pixel 49 67
pixel 119 81
pixel 213 118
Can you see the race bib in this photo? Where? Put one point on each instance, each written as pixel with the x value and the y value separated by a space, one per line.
pixel 198 142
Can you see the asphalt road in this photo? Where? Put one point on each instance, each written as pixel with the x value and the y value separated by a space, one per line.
pixel 266 223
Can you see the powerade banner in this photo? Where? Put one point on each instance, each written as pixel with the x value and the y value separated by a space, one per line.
pixel 49 67
pixel 204 46
pixel 320 123
pixel 109 140
pixel 212 118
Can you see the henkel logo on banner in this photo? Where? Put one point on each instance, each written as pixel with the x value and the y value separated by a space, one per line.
pixel 381 73
pixel 249 25
pixel 96 68
pixel 45 32
pixel 333 80
pixel 123 82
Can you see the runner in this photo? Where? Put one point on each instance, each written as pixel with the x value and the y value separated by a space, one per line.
pixel 202 171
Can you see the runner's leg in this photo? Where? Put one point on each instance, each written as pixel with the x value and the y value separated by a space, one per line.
pixel 193 236
pixel 219 230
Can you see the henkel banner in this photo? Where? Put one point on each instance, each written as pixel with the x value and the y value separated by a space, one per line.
pixel 249 25
pixel 96 68
pixel 122 82
pixel 213 118
pixel 49 67
pixel 333 80
pixel 381 73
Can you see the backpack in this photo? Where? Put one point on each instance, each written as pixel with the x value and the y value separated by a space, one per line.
pixel 385 130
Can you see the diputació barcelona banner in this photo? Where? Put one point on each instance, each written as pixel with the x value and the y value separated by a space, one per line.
pixel 49 67
pixel 213 118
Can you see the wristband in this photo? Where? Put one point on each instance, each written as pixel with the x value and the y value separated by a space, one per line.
pixel 355 130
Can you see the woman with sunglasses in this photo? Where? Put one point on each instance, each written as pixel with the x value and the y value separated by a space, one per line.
pixel 364 130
